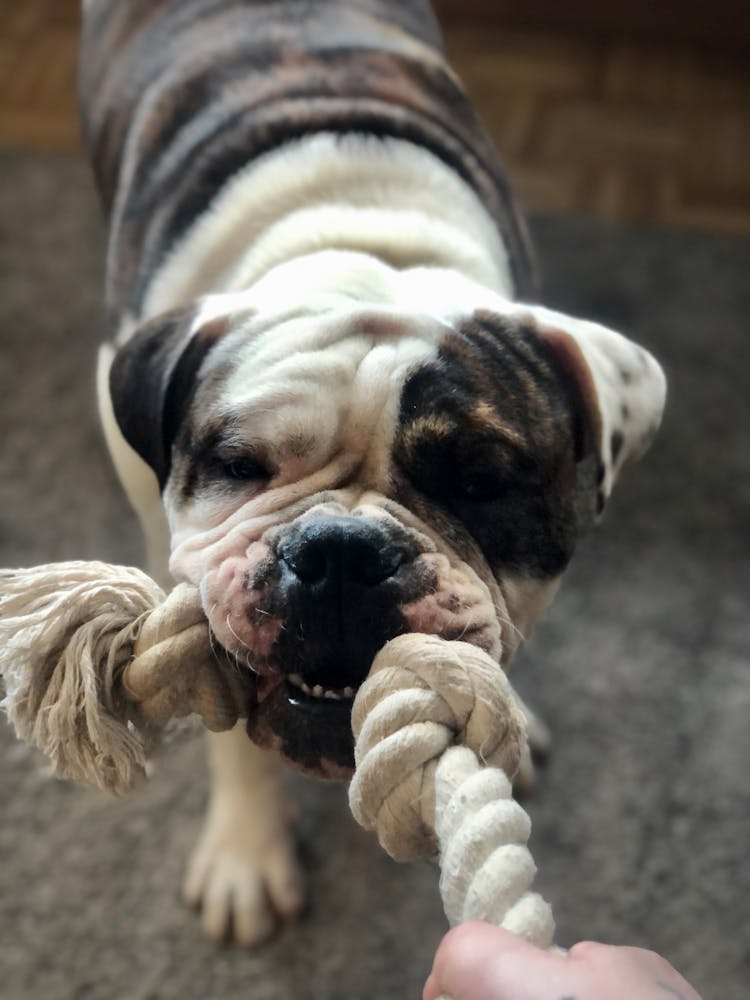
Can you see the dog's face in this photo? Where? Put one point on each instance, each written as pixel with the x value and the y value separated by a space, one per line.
pixel 335 475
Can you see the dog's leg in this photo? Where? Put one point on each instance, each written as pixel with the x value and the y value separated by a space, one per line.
pixel 244 872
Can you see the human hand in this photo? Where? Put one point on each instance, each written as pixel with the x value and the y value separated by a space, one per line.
pixel 477 961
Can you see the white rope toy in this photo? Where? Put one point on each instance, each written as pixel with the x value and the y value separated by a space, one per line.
pixel 425 795
pixel 96 659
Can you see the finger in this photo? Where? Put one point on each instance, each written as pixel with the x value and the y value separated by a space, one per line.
pixel 477 960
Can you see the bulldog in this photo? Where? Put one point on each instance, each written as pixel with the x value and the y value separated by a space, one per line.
pixel 326 390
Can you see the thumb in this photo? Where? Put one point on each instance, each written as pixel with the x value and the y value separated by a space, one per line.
pixel 477 961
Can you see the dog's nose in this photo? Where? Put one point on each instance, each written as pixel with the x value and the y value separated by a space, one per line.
pixel 344 550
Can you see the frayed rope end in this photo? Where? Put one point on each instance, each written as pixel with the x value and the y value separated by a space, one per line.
pixel 66 635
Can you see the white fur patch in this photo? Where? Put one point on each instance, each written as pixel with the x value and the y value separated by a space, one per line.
pixel 384 197
pixel 318 395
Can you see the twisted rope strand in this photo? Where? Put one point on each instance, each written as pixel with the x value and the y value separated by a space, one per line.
pixel 424 795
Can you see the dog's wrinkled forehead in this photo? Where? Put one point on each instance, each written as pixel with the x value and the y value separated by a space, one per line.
pixel 325 383
pixel 284 403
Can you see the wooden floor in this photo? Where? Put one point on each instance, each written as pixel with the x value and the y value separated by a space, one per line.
pixel 620 130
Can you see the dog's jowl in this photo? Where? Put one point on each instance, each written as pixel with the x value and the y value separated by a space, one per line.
pixel 324 391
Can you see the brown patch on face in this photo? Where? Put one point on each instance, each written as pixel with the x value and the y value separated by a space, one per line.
pixel 486 419
pixel 504 475
pixel 427 426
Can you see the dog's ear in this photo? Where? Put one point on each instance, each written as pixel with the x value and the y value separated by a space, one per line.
pixel 153 378
pixel 618 391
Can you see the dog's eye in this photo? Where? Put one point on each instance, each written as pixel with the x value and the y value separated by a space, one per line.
pixel 245 469
pixel 480 487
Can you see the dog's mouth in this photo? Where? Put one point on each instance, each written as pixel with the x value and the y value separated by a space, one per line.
pixel 338 589
pixel 307 720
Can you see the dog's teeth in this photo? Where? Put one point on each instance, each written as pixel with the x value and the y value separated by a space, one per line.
pixel 318 691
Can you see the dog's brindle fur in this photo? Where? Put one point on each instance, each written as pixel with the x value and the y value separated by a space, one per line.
pixel 321 394
pixel 177 97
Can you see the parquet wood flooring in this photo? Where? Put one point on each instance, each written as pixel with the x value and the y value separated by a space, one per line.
pixel 618 129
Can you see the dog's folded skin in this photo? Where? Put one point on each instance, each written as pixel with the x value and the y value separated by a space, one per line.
pixel 322 394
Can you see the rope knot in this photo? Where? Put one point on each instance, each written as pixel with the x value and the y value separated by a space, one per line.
pixel 97 658
pixel 424 694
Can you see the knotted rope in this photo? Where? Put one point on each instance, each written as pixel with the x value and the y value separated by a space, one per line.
pixel 438 737
pixel 96 660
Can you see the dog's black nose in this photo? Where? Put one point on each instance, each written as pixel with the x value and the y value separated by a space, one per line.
pixel 341 550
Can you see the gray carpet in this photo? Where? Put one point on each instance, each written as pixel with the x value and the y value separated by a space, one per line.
pixel 642 817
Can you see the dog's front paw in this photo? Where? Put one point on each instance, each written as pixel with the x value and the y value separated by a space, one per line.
pixel 244 875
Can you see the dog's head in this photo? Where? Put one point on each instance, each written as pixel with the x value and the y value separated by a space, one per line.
pixel 337 474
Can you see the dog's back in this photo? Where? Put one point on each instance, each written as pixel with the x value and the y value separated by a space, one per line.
pixel 179 95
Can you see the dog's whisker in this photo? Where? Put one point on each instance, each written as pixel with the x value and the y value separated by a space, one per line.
pixel 505 620
pixel 212 638
pixel 514 628
pixel 467 626
pixel 239 640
